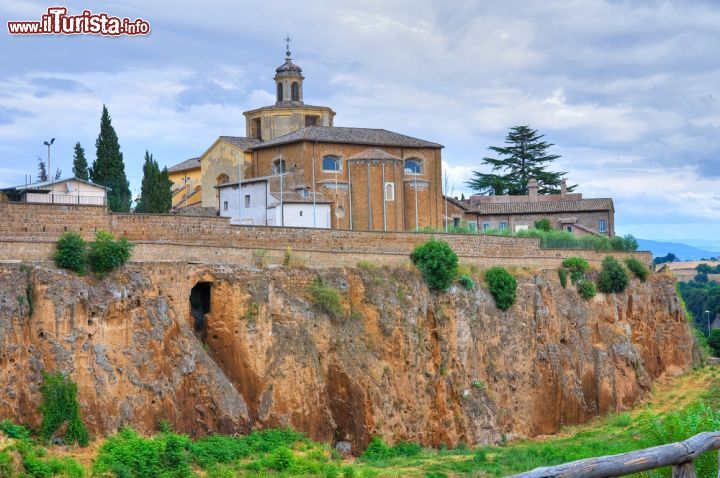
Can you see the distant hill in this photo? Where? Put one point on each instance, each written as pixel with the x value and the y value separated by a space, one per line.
pixel 682 251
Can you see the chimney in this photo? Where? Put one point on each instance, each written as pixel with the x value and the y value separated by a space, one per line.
pixel 533 190
pixel 563 187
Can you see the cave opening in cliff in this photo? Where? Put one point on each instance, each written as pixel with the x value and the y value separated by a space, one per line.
pixel 200 307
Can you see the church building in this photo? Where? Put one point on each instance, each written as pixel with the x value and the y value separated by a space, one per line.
pixel 369 179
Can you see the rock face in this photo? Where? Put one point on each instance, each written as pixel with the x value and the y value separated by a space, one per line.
pixel 400 362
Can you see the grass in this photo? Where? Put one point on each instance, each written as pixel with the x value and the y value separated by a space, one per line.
pixel 678 408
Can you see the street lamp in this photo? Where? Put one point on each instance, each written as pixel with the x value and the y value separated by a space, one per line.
pixel 708 321
pixel 48 144
pixel 49 175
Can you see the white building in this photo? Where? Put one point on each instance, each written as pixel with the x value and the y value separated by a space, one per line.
pixel 59 191
pixel 260 202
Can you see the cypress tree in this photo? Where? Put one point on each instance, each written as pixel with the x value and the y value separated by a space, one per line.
pixel 80 165
pixel 42 171
pixel 524 157
pixel 155 191
pixel 108 169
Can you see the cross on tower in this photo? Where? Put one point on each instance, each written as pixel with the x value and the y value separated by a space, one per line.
pixel 287 45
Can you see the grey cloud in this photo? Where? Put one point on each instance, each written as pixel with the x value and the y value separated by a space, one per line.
pixel 9 115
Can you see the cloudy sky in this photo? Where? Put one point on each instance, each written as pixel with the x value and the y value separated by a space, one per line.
pixel 628 91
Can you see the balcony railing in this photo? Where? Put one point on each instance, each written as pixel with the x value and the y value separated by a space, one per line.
pixel 54 198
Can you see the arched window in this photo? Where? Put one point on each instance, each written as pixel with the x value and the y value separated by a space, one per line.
pixel 278 166
pixel 331 163
pixel 295 91
pixel 222 179
pixel 413 166
pixel 279 92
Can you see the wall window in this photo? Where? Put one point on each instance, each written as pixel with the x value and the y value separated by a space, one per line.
pixel 340 212
pixel 301 212
pixel 389 191
pixel 311 120
pixel 413 166
pixel 305 193
pixel 456 222
pixel 222 179
pixel 331 163
pixel 503 226
pixel 486 226
pixel 247 200
pixel 569 229
pixel 295 91
pixel 602 225
pixel 278 166
pixel 472 225
pixel 225 206
pixel 279 92
pixel 521 227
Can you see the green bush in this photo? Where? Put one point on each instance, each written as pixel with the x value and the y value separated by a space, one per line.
pixel 562 273
pixel 714 342
pixel 466 281
pixel 129 455
pixel 59 405
pixel 613 277
pixel 107 254
pixel 378 450
pixel 280 460
pixel 38 465
pixel 71 252
pixel 326 298
pixel 11 430
pixel 437 262
pixel 637 268
pixel 543 224
pixel 6 465
pixel 586 289
pixel 577 267
pixel 214 449
pixel 502 286
pixel 625 243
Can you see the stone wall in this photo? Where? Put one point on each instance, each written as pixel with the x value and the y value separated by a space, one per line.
pixel 28 232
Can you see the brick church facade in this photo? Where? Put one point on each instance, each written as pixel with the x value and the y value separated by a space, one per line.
pixel 374 179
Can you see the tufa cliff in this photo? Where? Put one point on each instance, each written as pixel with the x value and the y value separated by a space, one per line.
pixel 401 362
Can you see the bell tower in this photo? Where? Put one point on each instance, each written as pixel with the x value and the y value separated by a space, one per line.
pixel 289 113
pixel 288 80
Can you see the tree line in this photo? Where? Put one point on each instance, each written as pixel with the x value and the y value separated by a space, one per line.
pixel 108 169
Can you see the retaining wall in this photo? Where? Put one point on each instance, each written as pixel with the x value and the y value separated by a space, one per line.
pixel 28 232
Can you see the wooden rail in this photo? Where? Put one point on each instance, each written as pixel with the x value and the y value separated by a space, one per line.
pixel 678 455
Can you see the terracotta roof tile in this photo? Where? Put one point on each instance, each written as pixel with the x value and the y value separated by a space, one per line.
pixel 335 134
pixel 602 204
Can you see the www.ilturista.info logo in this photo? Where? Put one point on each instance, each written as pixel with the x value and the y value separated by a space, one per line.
pixel 57 22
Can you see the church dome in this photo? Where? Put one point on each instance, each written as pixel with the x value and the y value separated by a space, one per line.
pixel 288 68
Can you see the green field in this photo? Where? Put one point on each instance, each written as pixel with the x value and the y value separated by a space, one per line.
pixel 678 409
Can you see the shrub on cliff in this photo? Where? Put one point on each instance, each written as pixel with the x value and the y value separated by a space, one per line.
pixel 107 254
pixel 326 298
pixel 586 289
pixel 437 262
pixel 562 274
pixel 59 406
pixel 71 252
pixel 613 277
pixel 637 268
pixel 577 267
pixel 502 286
